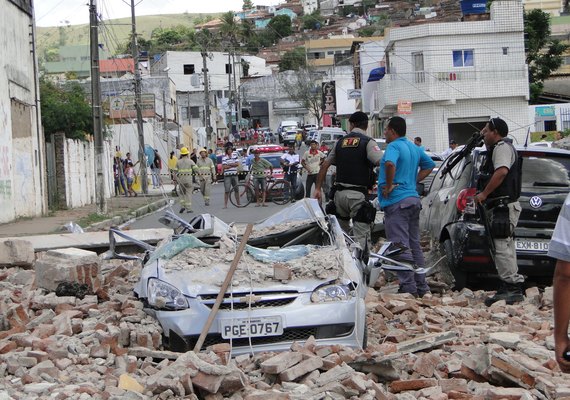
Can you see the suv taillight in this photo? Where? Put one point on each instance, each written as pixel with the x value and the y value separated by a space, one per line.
pixel 465 201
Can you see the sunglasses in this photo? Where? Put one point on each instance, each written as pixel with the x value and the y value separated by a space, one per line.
pixel 492 124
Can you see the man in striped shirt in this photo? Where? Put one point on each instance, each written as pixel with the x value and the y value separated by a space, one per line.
pixel 230 162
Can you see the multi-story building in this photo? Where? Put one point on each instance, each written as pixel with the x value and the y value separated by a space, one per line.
pixel 23 189
pixel 448 79
pixel 74 62
pixel 325 54
pixel 553 7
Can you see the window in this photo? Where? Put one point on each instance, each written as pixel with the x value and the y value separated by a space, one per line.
pixel 195 112
pixel 463 58
pixel 228 68
pixel 189 69
pixel 505 51
pixel 419 73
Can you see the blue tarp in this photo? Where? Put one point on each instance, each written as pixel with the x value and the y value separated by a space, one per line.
pixel 149 153
pixel 376 74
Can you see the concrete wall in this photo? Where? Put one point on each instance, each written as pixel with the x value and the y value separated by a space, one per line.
pixel 22 158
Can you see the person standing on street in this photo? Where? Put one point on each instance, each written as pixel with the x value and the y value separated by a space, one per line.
pixel 354 155
pixel 172 161
pixel 155 168
pixel 400 200
pixel 130 174
pixel 206 175
pixel 559 248
pixel 500 182
pixel 184 176
pixel 230 163
pixel 290 163
pixel 311 161
pixel 259 167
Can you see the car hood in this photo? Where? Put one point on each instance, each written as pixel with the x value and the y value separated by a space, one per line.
pixel 196 268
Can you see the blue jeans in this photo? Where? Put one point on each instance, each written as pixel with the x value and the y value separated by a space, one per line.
pixel 402 225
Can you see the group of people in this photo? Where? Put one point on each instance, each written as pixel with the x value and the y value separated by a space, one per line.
pixel 124 174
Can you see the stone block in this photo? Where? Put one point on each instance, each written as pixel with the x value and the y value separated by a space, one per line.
pixel 210 383
pixel 16 253
pixel 412 384
pixel 280 362
pixel 68 265
pixel 302 368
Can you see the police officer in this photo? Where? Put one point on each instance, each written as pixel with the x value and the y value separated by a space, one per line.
pixel 500 182
pixel 354 155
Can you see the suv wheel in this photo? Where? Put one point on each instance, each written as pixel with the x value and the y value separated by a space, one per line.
pixel 460 277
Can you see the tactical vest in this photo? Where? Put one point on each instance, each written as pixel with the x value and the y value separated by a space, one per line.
pixel 351 159
pixel 511 185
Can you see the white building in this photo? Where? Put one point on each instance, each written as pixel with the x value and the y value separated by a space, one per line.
pixel 23 191
pixel 448 79
pixel 309 6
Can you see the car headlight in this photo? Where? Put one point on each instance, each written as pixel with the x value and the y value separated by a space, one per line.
pixel 329 293
pixel 164 296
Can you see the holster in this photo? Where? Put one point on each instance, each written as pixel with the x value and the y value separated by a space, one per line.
pixel 500 222
pixel 366 213
pixel 330 208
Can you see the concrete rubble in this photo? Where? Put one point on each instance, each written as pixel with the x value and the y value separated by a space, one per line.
pixel 104 346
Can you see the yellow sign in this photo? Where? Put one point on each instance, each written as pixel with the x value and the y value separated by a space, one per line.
pixel 404 107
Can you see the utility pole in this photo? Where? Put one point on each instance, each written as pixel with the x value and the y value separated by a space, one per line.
pixel 230 97
pixel 97 110
pixel 235 94
pixel 138 100
pixel 206 100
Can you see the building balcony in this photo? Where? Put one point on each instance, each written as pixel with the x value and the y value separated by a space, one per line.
pixel 427 86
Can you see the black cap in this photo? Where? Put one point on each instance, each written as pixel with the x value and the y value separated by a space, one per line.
pixel 500 126
pixel 358 116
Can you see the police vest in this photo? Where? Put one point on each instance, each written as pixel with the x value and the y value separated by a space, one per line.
pixel 351 158
pixel 511 185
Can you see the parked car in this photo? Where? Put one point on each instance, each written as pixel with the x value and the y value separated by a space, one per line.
pixel 289 136
pixel 321 293
pixel 451 219
pixel 438 161
pixel 266 148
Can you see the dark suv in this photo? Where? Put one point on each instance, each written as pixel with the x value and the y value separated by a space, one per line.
pixel 451 218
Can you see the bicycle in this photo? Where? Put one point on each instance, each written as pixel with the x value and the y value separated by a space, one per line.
pixel 278 191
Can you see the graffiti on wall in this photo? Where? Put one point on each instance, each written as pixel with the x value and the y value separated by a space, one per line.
pixel 5 179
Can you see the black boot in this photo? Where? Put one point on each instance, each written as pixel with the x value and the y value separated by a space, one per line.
pixel 510 292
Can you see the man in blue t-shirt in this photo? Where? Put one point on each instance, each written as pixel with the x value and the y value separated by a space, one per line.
pixel 400 200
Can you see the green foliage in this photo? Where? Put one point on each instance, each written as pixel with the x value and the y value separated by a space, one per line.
pixel 247 5
pixel 293 60
pixel 280 27
pixel 543 55
pixel 304 86
pixel 64 109
pixel 313 20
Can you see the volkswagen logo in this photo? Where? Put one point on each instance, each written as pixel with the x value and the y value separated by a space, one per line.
pixel 535 202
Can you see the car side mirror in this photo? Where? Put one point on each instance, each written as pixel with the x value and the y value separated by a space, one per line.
pixel 421 189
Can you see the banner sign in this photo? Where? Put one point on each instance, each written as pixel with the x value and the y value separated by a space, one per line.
pixel 354 94
pixel 404 107
pixel 329 97
pixel 124 106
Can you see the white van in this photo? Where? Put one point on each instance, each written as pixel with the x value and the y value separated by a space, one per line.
pixel 287 125
pixel 328 135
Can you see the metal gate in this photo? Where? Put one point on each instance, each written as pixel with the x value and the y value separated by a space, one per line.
pixel 51 175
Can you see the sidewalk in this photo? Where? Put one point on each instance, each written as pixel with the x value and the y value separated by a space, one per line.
pixel 120 209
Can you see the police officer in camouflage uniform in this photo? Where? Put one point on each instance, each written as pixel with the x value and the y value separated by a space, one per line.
pixel 206 173
pixel 184 174
pixel 354 155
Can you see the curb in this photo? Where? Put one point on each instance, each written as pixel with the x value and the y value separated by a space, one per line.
pixel 121 219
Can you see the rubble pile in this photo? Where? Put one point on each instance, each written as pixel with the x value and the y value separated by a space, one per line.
pixel 105 346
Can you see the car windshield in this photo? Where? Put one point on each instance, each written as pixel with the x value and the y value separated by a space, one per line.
pixel 546 171
pixel 274 160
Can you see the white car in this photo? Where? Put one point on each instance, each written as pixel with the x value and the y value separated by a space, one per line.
pixel 298 277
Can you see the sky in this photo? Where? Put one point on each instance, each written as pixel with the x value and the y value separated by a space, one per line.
pixel 64 12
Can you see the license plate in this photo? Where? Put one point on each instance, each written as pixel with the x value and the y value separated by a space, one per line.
pixel 532 245
pixel 251 327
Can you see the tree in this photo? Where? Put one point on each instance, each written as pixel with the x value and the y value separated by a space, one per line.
pixel 313 20
pixel 280 27
pixel 229 29
pixel 304 86
pixel 543 54
pixel 247 5
pixel 293 60
pixel 64 109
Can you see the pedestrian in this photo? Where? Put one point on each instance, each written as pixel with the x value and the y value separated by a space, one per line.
pixel 155 168
pixel 121 171
pixel 559 248
pixel 206 173
pixel 290 164
pixel 311 161
pixel 418 142
pixel 354 155
pixel 259 167
pixel 452 146
pixel 299 139
pixel 400 201
pixel 500 178
pixel 185 169
pixel 212 157
pixel 130 174
pixel 172 161
pixel 194 155
pixel 116 169
pixel 230 163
